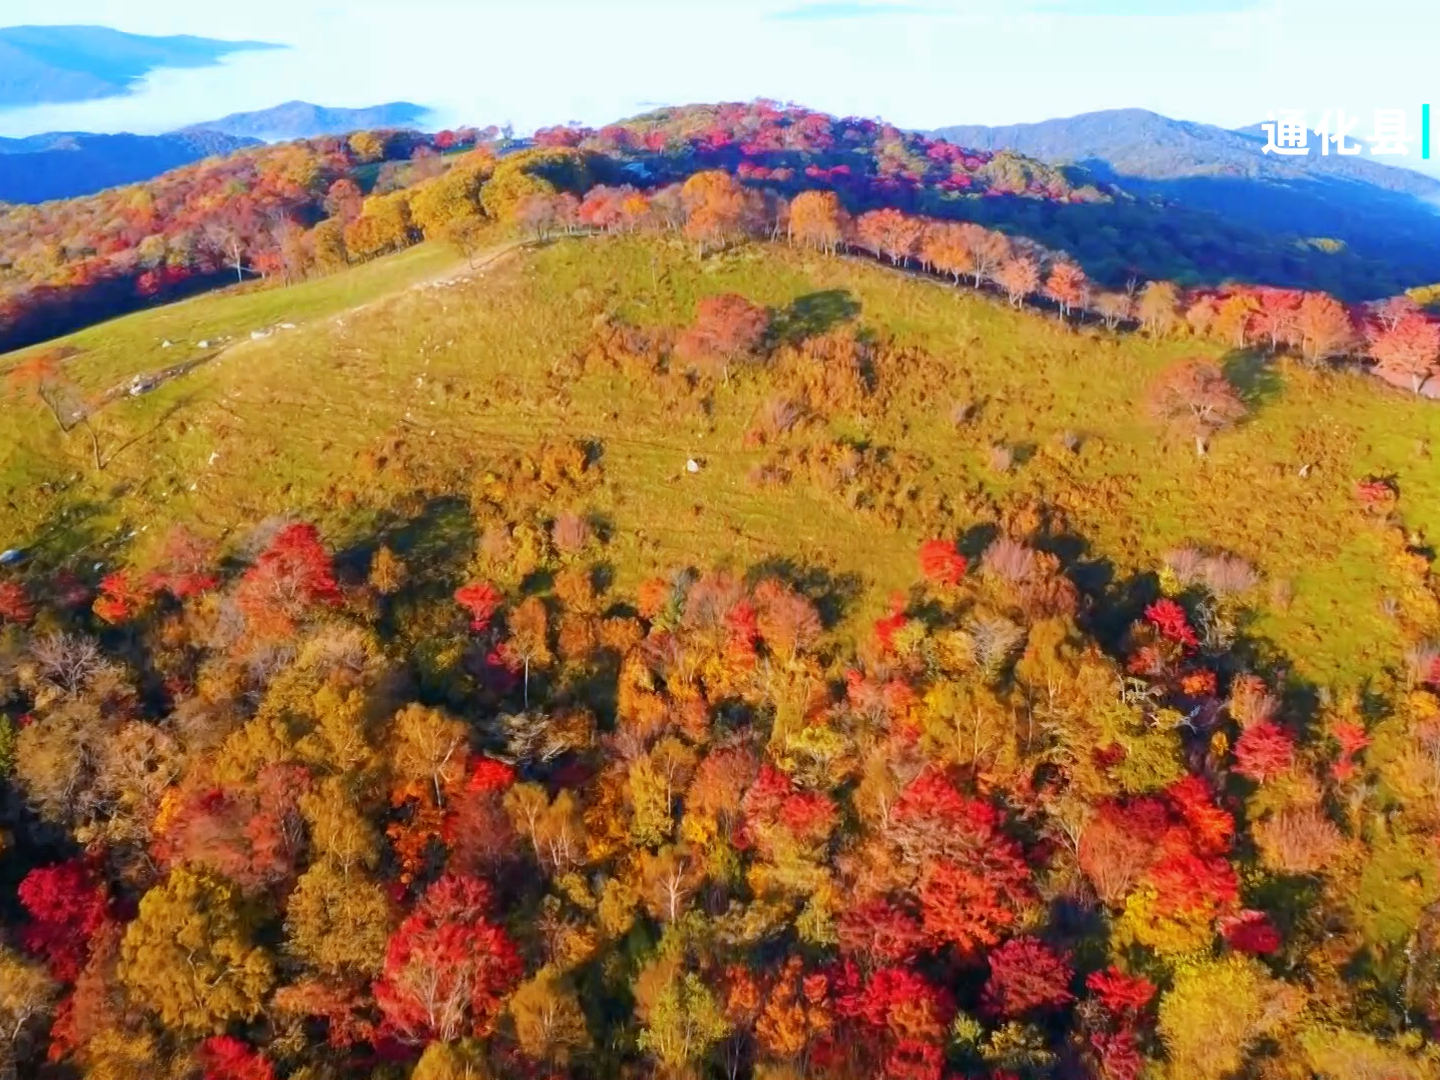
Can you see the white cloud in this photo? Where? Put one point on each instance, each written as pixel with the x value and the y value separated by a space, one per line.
pixel 545 61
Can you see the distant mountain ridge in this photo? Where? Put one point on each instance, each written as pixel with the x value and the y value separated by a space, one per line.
pixel 66 164
pixel 303 120
pixel 42 65
pixel 1137 142
pixel 62 165
pixel 1382 210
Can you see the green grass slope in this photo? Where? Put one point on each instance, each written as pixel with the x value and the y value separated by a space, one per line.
pixel 358 417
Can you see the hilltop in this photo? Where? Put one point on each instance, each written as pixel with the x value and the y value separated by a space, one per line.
pixel 51 64
pixel 291 190
pixel 287 417
pixel 664 625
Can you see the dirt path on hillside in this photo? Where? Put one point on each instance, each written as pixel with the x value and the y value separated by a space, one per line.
pixel 481 262
pixel 149 382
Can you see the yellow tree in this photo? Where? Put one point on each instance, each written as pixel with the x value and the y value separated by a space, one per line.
pixel 529 640
pixel 549 1024
pixel 452 197
pixel 818 220
pixel 683 1023
pixel 25 996
pixel 328 242
pixel 1158 308
pixel 1233 317
pixel 367 146
pixel 463 1060
pixel 191 957
pixel 508 189
pixel 338 922
pixel 385 225
pixel 668 880
pixel 1019 276
pixel 388 572
pixel 1217 1011
pixel 715 208
pixel 429 747
pixel 943 247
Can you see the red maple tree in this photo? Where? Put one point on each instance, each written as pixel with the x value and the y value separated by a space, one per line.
pixel 292 576
pixel 727 328
pixel 447 967
pixel 1026 975
pixel 942 563
pixel 1264 751
pixel 482 600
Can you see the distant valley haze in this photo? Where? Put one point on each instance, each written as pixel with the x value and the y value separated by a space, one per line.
pixel 919 65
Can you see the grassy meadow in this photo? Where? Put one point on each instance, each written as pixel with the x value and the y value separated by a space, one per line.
pixel 365 415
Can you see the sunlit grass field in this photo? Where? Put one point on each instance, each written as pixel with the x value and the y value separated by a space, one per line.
pixel 346 418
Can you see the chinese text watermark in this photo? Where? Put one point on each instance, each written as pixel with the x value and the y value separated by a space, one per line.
pixel 1288 133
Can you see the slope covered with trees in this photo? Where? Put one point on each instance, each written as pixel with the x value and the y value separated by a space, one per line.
pixel 300 209
pixel 64 165
pixel 237 218
pixel 1384 211
pixel 300 814
pixel 684 652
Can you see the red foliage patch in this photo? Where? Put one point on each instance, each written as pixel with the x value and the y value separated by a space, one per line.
pixel 1121 994
pixel 941 563
pixel 15 603
pixel 1026 975
pixel 1264 751
pixel 447 968
pixel 226 1058
pixel 1170 620
pixel 1251 931
pixel 481 600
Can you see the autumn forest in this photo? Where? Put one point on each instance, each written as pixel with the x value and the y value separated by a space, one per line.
pixel 822 603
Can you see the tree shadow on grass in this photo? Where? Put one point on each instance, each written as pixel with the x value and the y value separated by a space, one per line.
pixel 1254 376
pixel 73 530
pixel 1093 575
pixel 435 543
pixel 976 539
pixel 814 314
pixel 831 594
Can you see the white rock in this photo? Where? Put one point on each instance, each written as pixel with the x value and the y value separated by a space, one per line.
pixel 214 457
pixel 202 344
pixel 259 335
pixel 692 466
pixel 287 326
pixel 166 345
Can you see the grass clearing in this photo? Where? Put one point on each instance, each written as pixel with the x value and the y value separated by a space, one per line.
pixel 342 419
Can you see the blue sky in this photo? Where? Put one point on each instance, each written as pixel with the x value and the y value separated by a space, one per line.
pixel 919 63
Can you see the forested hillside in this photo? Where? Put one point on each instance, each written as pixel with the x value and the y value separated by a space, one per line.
pixel 72 263
pixel 621 613
pixel 63 165
pixel 1376 206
